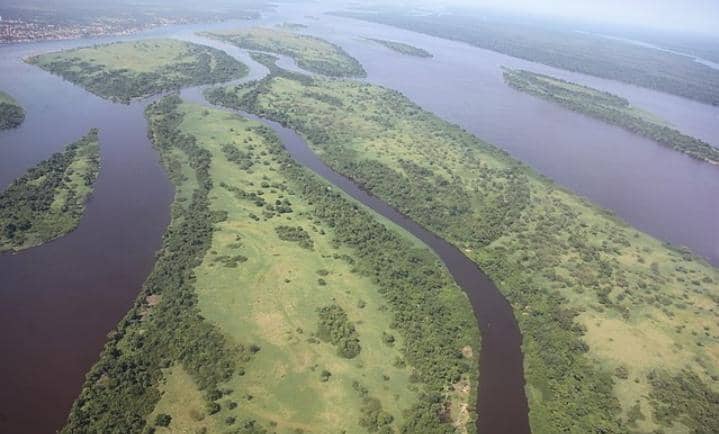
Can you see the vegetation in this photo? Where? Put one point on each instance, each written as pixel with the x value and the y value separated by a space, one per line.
pixel 164 329
pixel 403 48
pixel 592 296
pixel 334 327
pixel 125 70
pixel 11 113
pixel 310 53
pixel 609 108
pixel 214 347
pixel 49 201
pixel 292 26
pixel 296 234
pixel 567 49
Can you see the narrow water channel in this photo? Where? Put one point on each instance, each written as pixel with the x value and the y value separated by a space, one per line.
pixel 502 403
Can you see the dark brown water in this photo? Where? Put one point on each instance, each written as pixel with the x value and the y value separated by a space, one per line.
pixel 58 301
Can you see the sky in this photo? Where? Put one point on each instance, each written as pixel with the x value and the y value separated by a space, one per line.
pixel 687 15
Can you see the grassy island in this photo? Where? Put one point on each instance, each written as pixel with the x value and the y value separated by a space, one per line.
pixel 403 48
pixel 277 304
pixel 610 108
pixel 49 200
pixel 11 113
pixel 126 70
pixel 310 53
pixel 563 47
pixel 621 331
pixel 292 26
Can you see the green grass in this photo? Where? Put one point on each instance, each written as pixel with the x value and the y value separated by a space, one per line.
pixel 402 48
pixel 310 53
pixel 268 298
pixel 255 302
pixel 126 70
pixel 590 293
pixel 610 108
pixel 49 201
pixel 11 113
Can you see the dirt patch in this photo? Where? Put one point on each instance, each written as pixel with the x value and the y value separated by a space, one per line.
pixel 153 300
pixel 467 352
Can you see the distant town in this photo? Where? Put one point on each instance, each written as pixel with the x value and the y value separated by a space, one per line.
pixel 24 25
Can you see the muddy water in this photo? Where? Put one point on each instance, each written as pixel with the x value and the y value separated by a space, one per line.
pixel 58 301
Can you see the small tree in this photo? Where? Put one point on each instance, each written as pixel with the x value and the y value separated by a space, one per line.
pixel 163 419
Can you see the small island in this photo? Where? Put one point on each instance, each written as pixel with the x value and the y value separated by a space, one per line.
pixel 11 114
pixel 49 200
pixel 609 108
pixel 126 70
pixel 402 48
pixel 291 26
pixel 310 53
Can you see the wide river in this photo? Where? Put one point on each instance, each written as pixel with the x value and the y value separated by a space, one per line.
pixel 58 301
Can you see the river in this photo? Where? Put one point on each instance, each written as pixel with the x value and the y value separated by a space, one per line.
pixel 58 301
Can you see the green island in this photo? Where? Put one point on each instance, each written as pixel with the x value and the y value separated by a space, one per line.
pixel 610 108
pixel 563 47
pixel 125 70
pixel 11 113
pixel 278 304
pixel 310 53
pixel 621 331
pixel 292 26
pixel 402 48
pixel 49 200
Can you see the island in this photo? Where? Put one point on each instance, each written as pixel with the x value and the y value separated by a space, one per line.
pixel 12 114
pixel 310 53
pixel 123 71
pixel 609 108
pixel 278 304
pixel 292 26
pixel 49 201
pixel 402 48
pixel 619 329
pixel 557 44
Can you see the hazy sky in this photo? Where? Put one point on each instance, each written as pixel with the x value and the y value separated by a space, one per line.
pixel 697 15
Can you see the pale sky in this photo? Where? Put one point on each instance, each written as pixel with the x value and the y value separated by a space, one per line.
pixel 697 15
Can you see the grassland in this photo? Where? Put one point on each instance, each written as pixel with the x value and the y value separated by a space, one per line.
pixel 565 48
pixel 11 113
pixel 609 108
pixel 126 70
pixel 264 271
pixel 403 48
pixel 310 53
pixel 49 200
pixel 291 26
pixel 620 330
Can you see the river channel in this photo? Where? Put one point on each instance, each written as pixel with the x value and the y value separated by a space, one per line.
pixel 58 301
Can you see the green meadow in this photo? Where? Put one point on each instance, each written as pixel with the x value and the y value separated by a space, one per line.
pixel 277 304
pixel 620 330
pixel 272 299
pixel 310 53
pixel 122 71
